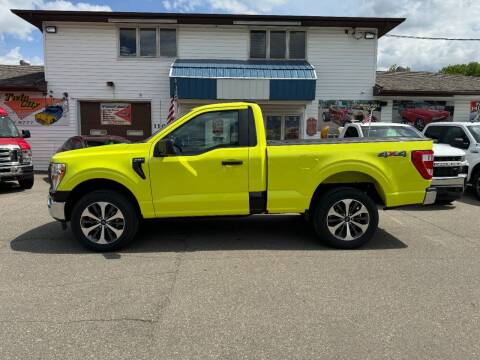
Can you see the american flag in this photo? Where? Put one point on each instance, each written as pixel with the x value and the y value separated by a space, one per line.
pixel 368 119
pixel 172 111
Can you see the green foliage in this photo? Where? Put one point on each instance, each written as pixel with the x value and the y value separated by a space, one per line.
pixel 471 69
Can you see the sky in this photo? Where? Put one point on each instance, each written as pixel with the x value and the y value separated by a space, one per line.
pixel 437 18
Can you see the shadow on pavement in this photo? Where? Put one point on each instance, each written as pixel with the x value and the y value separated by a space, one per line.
pixel 469 198
pixel 273 232
pixel 9 187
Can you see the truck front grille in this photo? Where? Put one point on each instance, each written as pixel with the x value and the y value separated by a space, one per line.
pixel 9 156
pixel 448 171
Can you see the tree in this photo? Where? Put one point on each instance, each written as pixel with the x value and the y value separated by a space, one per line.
pixel 398 68
pixel 470 69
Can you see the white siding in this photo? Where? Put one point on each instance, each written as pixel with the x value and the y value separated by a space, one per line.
pixel 462 109
pixel 213 43
pixel 243 89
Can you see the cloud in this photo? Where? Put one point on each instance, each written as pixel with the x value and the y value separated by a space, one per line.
pixel 14 56
pixel 224 6
pixel 437 18
pixel 12 25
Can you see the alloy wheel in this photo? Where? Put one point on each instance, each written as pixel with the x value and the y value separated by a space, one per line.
pixel 348 219
pixel 102 222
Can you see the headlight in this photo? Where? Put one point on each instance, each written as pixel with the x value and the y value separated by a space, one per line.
pixel 26 157
pixel 57 172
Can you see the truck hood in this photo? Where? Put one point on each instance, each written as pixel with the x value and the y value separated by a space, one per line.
pixel 446 150
pixel 15 141
pixel 100 151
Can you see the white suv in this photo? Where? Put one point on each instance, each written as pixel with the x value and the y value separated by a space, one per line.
pixel 462 135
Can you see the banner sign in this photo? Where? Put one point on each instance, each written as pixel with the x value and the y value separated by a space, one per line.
pixel 34 110
pixel 116 114
pixel 420 113
pixel 474 111
pixel 337 113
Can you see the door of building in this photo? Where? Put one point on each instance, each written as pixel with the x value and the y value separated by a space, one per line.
pixel 131 120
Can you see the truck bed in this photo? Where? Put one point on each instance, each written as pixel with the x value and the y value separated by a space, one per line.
pixel 340 141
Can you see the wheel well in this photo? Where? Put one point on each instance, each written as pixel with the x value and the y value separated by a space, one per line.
pixel 475 170
pixel 98 184
pixel 368 187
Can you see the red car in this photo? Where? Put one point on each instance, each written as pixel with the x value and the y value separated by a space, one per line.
pixel 420 116
pixel 15 153
pixel 84 141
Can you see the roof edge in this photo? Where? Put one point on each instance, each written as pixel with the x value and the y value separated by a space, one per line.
pixel 37 17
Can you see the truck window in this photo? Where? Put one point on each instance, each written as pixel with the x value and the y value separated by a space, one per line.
pixel 436 133
pixel 8 128
pixel 455 132
pixel 475 131
pixel 207 131
pixel 351 132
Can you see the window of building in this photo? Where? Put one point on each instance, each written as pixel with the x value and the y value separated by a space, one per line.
pixel 283 127
pixel 297 45
pixel 273 44
pixel 258 44
pixel 168 42
pixel 278 44
pixel 148 42
pixel 207 131
pixel 128 42
pixel 143 42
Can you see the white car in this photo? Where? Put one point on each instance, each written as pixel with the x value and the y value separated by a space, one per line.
pixel 450 167
pixel 465 136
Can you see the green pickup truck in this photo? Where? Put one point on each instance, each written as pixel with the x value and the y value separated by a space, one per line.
pixel 216 161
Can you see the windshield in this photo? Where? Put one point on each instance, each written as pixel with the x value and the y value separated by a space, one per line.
pixel 8 128
pixel 475 131
pixel 392 131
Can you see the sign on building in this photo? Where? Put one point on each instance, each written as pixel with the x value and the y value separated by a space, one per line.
pixel 115 114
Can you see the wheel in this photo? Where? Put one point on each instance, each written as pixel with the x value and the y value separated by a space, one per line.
pixel 26 182
pixel 104 220
pixel 476 183
pixel 345 218
pixel 419 124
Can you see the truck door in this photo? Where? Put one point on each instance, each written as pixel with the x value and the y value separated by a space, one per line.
pixel 208 174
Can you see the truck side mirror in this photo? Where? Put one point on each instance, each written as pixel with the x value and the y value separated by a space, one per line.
pixel 460 143
pixel 164 148
pixel 26 134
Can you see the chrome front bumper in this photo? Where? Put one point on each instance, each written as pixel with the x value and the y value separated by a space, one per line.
pixel 56 209
pixel 430 196
pixel 14 171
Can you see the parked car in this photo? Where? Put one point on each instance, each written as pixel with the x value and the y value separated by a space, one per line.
pixel 85 141
pixel 465 136
pixel 420 115
pixel 450 168
pixel 15 153
pixel 190 169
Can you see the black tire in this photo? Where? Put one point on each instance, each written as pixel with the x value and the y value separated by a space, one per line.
pixel 333 199
pixel 476 183
pixel 107 239
pixel 26 182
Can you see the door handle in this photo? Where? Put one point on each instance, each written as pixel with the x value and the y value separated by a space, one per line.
pixel 232 162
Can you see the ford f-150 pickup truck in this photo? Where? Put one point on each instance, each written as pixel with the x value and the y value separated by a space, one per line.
pixel 216 161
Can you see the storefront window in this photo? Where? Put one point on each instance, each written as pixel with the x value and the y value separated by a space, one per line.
pixel 283 127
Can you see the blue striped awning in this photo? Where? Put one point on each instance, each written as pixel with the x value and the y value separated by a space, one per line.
pixel 243 79
pixel 243 69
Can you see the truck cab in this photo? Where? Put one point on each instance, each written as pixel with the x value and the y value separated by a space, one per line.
pixel 15 153
pixel 450 166
pixel 464 136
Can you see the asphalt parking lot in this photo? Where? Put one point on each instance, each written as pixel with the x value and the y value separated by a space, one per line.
pixel 243 288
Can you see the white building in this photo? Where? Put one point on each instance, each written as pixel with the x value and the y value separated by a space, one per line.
pixel 102 63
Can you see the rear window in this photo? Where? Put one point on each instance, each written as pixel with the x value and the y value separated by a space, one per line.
pixel 391 131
